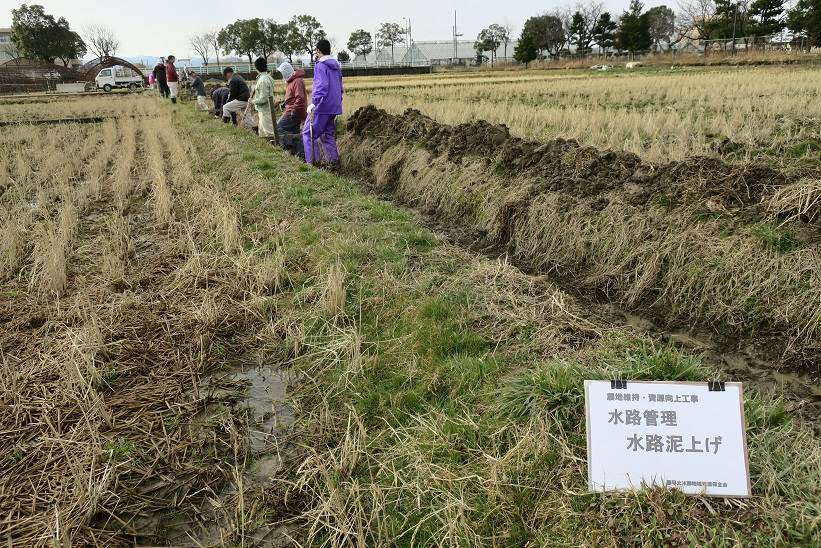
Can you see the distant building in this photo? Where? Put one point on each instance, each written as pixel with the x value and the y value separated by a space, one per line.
pixel 382 56
pixel 445 52
pixel 462 52
pixel 6 47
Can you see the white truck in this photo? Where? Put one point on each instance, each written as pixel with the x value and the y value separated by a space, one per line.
pixel 119 77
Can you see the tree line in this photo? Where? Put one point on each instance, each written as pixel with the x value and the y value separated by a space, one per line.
pixel 585 25
pixel 265 37
pixel 260 37
pixel 38 35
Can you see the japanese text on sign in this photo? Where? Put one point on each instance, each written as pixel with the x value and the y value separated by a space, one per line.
pixel 664 434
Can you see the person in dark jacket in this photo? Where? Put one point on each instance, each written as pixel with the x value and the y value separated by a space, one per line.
pixel 199 88
pixel 220 97
pixel 160 77
pixel 238 97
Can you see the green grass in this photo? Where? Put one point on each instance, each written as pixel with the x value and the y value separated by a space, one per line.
pixel 775 238
pixel 425 424
pixel 120 449
pixel 804 148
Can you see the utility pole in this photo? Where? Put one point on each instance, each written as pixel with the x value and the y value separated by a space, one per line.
pixel 735 16
pixel 456 36
pixel 409 39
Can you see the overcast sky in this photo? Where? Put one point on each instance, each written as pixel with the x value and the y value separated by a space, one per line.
pixel 161 27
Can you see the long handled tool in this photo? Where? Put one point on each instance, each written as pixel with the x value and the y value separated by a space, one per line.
pixel 313 143
pixel 273 119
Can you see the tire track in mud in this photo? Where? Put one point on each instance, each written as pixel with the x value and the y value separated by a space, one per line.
pixel 378 149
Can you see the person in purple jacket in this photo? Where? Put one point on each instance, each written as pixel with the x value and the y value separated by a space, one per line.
pixel 325 106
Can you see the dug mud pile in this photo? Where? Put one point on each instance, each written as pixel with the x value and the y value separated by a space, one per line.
pixel 734 248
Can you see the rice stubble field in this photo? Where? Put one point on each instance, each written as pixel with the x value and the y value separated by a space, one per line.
pixel 157 259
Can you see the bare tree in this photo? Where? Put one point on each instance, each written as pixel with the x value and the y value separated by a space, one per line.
pixel 565 15
pixel 213 40
pixel 101 41
pixel 696 16
pixel 390 34
pixel 582 23
pixel 202 45
pixel 507 36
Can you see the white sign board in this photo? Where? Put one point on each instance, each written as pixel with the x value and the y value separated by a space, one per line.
pixel 679 435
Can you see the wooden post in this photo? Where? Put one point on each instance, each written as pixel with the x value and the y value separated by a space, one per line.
pixel 274 119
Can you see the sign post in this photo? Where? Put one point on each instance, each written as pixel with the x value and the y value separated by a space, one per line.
pixel 680 435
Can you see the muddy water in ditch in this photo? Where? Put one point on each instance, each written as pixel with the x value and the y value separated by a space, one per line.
pixel 802 390
pixel 263 389
pixel 265 400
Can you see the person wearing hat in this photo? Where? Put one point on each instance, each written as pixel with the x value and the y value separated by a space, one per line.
pixel 264 90
pixel 325 106
pixel 294 105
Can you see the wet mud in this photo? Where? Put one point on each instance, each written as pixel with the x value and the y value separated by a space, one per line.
pixel 577 170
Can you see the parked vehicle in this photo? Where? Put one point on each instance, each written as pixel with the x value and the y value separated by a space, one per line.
pixel 119 77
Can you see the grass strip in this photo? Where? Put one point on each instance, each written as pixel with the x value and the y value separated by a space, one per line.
pixel 441 400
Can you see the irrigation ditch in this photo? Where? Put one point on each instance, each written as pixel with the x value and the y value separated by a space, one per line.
pixel 720 259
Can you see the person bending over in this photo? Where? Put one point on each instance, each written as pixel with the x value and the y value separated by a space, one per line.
pixel 325 106
pixel 198 86
pixel 220 97
pixel 238 96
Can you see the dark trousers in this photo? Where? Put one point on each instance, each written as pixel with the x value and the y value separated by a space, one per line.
pixel 288 129
pixel 165 91
pixel 289 123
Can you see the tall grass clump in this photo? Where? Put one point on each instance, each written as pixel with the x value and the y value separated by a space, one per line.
pixel 49 270
pixel 157 174
pixel 798 200
pixel 12 245
pixel 123 184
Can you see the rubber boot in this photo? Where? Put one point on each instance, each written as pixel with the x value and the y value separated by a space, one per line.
pixel 174 100
pixel 234 118
pixel 226 119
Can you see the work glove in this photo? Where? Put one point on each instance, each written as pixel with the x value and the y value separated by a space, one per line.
pixel 311 108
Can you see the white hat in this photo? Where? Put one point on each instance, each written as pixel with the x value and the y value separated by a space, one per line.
pixel 286 70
